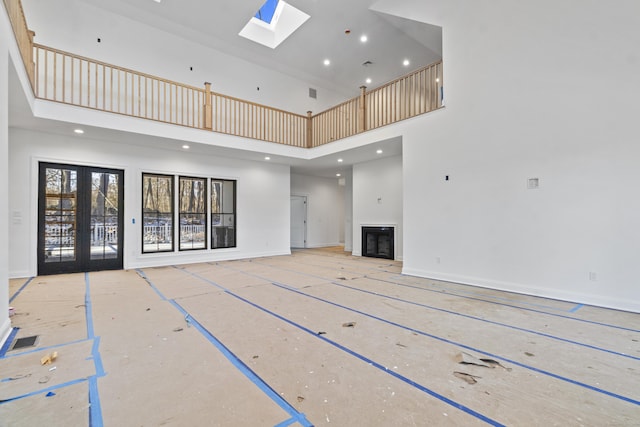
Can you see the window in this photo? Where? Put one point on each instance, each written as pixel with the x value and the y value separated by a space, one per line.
pixel 266 12
pixel 157 213
pixel 223 214
pixel 193 213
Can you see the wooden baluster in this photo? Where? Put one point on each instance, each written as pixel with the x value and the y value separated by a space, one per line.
pixel 362 110
pixel 309 143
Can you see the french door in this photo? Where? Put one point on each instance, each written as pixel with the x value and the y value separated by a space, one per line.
pixel 80 218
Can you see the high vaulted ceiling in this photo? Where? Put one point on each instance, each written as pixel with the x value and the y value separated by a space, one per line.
pixel 216 23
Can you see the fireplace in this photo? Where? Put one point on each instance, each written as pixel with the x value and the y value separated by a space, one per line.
pixel 377 242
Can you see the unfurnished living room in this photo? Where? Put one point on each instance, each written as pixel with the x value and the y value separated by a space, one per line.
pixel 304 213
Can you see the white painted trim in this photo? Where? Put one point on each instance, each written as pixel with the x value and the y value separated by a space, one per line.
pixel 518 288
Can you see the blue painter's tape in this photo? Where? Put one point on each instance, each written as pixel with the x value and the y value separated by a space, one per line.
pixel 467 347
pixel 21 289
pixel 95 409
pixel 365 359
pixel 517 328
pixel 44 390
pixel 240 365
pixel 300 418
pixel 576 308
pixel 562 316
pixel 97 359
pixel 573 310
pixel 235 361
pixel 155 289
pixel 7 343
pixel 50 347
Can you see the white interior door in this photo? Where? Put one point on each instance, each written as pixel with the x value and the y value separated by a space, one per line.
pixel 298 221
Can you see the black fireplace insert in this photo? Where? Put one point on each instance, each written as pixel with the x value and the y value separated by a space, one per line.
pixel 377 242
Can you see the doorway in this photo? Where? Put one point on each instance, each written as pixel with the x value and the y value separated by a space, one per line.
pixel 80 218
pixel 298 220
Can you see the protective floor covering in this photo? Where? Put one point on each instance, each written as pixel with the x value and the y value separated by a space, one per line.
pixel 315 338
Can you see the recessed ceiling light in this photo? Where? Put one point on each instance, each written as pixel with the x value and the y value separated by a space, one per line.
pixel 327 62
pixel 339 160
pixel 267 158
pixel 379 151
pixel 406 62
pixel 338 174
pixel 368 81
pixel 157 1
pixel 78 131
pixel 186 147
pixel 437 80
pixel 363 38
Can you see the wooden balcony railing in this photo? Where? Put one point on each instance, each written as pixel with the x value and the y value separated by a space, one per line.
pixel 71 79
pixel 416 93
pixel 24 36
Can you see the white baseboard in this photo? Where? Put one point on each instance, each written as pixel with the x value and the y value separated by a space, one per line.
pixel 557 294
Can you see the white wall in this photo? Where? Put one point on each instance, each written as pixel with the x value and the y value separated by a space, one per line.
pixel 262 195
pixel 377 199
pixel 540 89
pixel 5 37
pixel 348 211
pixel 325 208
pixel 74 26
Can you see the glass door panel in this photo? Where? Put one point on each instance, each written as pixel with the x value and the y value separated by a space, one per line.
pixel 79 219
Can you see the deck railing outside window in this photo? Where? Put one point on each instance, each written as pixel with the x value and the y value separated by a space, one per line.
pixel 71 79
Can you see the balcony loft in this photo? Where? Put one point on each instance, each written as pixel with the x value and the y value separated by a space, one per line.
pixel 66 78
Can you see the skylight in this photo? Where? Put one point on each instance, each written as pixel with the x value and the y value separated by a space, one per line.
pixel 274 23
pixel 267 11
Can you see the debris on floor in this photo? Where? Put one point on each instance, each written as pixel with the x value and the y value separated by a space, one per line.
pixel 470 379
pixel 321 333
pixel 300 399
pixel 44 380
pixel 16 377
pixel 349 325
pixel 401 345
pixel 467 359
pixel 178 329
pixel 12 311
pixel 50 394
pixel 529 354
pixel 49 358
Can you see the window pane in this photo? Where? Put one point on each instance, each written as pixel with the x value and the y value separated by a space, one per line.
pixel 60 215
pixel 104 215
pixel 157 213
pixel 193 213
pixel 223 218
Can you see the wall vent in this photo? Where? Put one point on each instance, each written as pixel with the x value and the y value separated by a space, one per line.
pixel 313 93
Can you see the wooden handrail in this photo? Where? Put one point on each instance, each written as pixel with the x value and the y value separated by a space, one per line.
pixel 72 79
pixel 416 93
pixel 408 96
pixel 24 36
